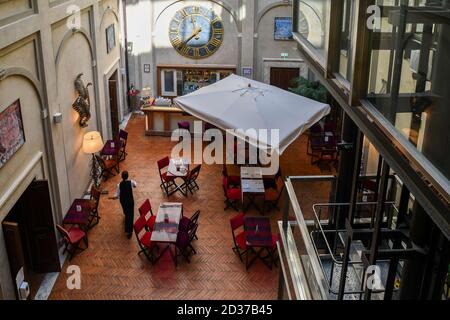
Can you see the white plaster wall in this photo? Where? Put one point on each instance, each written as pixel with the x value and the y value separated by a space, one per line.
pixel 21 47
pixel 12 8
pixel 267 47
pixel 9 173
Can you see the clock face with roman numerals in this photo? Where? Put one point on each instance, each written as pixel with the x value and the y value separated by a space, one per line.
pixel 196 32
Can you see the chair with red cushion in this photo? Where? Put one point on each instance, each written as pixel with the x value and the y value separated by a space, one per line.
pixel 232 180
pixel 272 195
pixel 233 195
pixel 144 238
pixel 72 237
pixel 167 182
pixel 144 209
pixel 330 126
pixel 107 166
pixel 185 128
pixel 239 239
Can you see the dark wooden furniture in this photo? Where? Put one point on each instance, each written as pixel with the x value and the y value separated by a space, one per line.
pixel 259 240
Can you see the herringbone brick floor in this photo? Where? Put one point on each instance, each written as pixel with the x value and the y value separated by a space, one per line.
pixel 111 268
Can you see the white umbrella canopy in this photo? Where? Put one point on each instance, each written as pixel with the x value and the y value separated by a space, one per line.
pixel 240 103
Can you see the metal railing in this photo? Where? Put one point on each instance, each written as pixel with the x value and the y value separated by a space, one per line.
pixel 301 256
pixel 318 224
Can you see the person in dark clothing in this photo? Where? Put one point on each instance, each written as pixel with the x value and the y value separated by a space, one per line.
pixel 125 194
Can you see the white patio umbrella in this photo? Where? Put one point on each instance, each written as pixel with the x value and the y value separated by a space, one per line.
pixel 240 103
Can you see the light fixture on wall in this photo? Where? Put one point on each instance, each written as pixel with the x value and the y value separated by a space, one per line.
pixel 93 143
pixel 57 117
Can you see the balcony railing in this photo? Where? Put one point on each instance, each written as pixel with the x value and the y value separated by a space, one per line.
pixel 312 248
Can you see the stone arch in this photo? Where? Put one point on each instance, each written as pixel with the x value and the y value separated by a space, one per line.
pixel 223 4
pixel 111 10
pixel 24 73
pixel 67 36
pixel 269 7
pixel 274 5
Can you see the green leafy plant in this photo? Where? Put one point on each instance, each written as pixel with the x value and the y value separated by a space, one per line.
pixel 309 89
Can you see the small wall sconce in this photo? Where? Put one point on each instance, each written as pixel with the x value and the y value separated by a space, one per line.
pixel 57 117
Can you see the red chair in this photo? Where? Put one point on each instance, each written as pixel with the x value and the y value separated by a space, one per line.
pixel 145 208
pixel 144 239
pixel 167 182
pixel 240 241
pixel 232 180
pixel 123 138
pixel 233 195
pixel 272 195
pixel 72 237
pixel 184 126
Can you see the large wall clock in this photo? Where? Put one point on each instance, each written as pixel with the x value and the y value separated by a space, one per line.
pixel 196 32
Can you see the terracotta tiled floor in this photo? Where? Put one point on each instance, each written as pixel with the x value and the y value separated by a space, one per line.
pixel 111 268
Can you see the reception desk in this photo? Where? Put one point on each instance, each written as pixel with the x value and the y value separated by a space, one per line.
pixel 162 120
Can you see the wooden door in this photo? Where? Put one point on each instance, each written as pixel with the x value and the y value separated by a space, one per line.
pixel 14 248
pixel 282 77
pixel 113 105
pixel 39 228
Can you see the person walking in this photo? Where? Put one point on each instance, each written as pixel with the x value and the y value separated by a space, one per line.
pixel 124 193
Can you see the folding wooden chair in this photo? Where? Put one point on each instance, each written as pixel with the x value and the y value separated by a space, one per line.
pixel 191 180
pixel 123 138
pixel 240 240
pixel 72 238
pixel 107 167
pixel 167 182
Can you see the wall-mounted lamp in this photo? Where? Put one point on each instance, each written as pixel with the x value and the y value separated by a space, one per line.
pixel 57 117
pixel 93 143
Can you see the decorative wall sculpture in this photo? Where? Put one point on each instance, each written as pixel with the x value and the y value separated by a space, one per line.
pixel 82 104
pixel 12 135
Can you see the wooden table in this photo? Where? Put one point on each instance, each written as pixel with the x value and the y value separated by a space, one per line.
pixel 252 186
pixel 167 113
pixel 79 214
pixel 258 234
pixel 166 226
pixel 176 170
pixel 251 173
pixel 111 148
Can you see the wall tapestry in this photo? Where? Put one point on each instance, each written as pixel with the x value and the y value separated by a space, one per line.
pixel 12 135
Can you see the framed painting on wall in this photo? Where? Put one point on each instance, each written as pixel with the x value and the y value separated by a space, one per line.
pixel 283 28
pixel 12 135
pixel 110 38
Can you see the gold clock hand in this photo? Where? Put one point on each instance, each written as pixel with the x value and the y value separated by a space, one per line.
pixel 194 34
